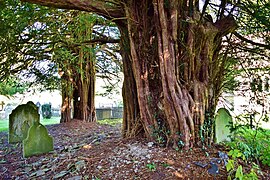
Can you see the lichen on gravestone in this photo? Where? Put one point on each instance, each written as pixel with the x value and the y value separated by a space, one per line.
pixel 222 121
pixel 31 103
pixel 38 141
pixel 20 120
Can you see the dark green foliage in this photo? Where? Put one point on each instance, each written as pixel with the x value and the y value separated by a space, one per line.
pixel 12 86
pixel 251 146
pixel 37 41
pixel 161 134
pixel 254 144
pixel 207 129
pixel 235 169
pixel 254 16
pixel 26 43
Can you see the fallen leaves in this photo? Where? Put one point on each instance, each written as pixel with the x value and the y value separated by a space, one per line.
pixel 179 175
pixel 88 146
pixel 60 175
pixel 98 152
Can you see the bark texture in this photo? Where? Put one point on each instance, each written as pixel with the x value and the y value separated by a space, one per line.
pixel 132 125
pixel 175 63
pixel 67 88
pixel 171 64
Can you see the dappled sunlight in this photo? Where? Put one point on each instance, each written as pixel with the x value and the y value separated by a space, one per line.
pixel 88 146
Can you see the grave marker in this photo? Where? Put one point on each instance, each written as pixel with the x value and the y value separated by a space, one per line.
pixel 222 120
pixel 20 120
pixel 38 141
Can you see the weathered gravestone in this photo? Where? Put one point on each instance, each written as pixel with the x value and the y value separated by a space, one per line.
pixel 38 141
pixel 31 103
pixel 20 120
pixel 222 120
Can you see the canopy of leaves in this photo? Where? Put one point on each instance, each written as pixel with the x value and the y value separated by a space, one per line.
pixel 32 36
pixel 12 86
pixel 246 52
pixel 24 40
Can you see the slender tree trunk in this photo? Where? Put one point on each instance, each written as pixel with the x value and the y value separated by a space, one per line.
pixel 66 100
pixel 91 95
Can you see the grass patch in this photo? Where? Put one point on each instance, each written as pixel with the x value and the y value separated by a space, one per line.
pixel 112 122
pixel 53 120
pixel 3 125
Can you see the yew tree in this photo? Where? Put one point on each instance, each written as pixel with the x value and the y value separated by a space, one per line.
pixel 75 57
pixel 170 51
pixel 37 41
pixel 78 56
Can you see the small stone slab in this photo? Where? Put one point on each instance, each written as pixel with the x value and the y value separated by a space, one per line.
pixel 38 141
pixel 20 120
pixel 222 120
pixel 200 164
pixel 214 169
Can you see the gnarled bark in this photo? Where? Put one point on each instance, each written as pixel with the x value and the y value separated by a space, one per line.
pixel 171 61
pixel 132 125
pixel 66 108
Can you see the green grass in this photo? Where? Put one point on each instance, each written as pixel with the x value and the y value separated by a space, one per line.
pixel 3 125
pixel 56 120
pixel 53 120
pixel 112 122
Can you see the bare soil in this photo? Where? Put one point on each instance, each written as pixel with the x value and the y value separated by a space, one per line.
pixel 94 151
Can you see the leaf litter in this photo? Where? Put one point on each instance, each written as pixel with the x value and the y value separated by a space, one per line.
pixel 94 151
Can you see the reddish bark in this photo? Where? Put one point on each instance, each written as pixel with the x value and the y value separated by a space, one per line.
pixel 66 100
pixel 171 62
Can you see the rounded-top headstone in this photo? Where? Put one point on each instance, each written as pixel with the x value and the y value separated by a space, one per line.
pixel 38 141
pixel 222 121
pixel 20 120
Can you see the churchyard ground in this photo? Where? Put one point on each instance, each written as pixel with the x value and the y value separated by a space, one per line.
pixel 97 151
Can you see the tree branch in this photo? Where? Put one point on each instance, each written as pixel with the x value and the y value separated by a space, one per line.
pixel 226 25
pixel 267 46
pixel 94 41
pixel 100 7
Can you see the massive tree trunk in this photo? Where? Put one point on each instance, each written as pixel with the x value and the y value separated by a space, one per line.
pixel 174 63
pixel 171 63
pixel 87 72
pixel 78 94
pixel 84 98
